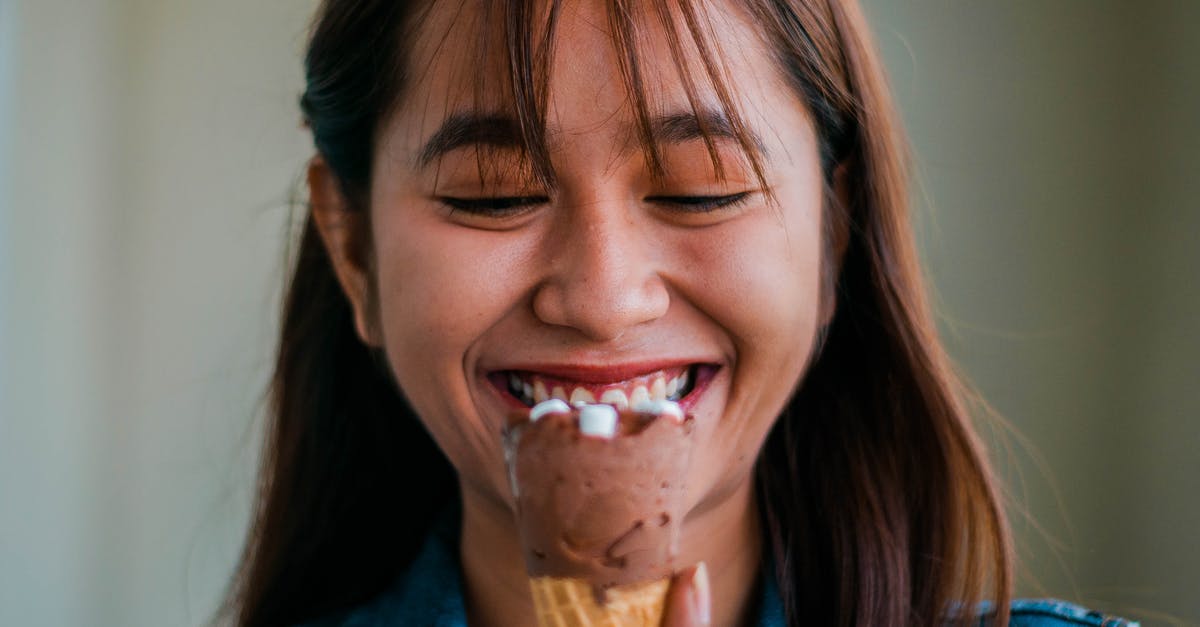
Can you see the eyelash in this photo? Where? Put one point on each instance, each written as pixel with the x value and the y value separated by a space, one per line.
pixel 494 207
pixel 703 204
pixel 502 207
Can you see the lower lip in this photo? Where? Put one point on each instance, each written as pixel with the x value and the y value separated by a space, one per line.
pixel 704 374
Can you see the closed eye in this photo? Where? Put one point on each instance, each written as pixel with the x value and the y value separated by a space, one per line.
pixel 499 207
pixel 506 206
pixel 701 204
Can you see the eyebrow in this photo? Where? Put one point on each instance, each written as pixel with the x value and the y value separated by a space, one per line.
pixel 470 129
pixel 502 131
pixel 685 126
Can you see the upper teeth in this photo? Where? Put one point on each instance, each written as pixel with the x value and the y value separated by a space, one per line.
pixel 532 390
pixel 616 398
pixel 580 395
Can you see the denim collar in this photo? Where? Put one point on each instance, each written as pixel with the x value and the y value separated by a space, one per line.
pixel 430 592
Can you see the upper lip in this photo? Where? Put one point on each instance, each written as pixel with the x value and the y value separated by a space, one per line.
pixel 594 373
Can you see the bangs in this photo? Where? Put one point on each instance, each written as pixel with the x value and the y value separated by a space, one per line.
pixel 515 44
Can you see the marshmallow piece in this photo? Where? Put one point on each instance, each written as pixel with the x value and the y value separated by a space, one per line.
pixel 549 406
pixel 670 408
pixel 598 420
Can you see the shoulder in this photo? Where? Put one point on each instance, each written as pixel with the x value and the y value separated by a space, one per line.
pixel 429 592
pixel 1055 613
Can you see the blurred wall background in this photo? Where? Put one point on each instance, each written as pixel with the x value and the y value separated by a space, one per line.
pixel 1057 154
pixel 148 149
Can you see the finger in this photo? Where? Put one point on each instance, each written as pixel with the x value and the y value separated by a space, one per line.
pixel 689 600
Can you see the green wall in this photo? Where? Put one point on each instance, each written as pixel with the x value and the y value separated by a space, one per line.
pixel 1055 148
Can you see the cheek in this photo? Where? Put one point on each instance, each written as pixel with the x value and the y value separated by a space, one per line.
pixel 444 290
pixel 440 287
pixel 440 290
pixel 760 279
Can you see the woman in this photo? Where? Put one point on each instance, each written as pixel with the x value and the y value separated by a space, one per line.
pixel 592 193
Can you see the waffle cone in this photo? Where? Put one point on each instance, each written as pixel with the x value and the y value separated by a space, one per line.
pixel 564 602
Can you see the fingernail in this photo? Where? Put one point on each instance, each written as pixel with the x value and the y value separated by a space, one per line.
pixel 701 595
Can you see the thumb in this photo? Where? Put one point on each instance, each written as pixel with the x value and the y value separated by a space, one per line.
pixel 689 600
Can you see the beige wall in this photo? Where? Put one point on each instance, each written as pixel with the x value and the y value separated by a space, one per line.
pixel 145 163
pixel 150 148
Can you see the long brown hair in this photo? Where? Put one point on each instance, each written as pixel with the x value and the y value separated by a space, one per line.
pixel 876 498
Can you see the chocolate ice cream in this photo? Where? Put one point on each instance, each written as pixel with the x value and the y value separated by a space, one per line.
pixel 602 508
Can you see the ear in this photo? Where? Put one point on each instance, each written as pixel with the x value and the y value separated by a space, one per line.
pixel 344 231
pixel 838 232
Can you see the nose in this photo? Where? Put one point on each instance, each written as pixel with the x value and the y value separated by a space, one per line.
pixel 603 279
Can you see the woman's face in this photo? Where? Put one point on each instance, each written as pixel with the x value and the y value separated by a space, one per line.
pixel 613 283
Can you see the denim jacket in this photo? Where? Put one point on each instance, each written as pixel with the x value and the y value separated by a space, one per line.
pixel 430 594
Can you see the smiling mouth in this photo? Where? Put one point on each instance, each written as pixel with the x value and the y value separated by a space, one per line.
pixel 672 384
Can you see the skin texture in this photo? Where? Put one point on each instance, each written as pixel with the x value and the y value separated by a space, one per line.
pixel 602 272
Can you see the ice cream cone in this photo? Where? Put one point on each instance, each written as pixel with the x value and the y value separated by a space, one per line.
pixel 567 602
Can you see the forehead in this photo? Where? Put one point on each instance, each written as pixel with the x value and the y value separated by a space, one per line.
pixel 460 61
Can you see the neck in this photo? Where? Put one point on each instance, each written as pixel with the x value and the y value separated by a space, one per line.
pixel 725 535
pixel 495 585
